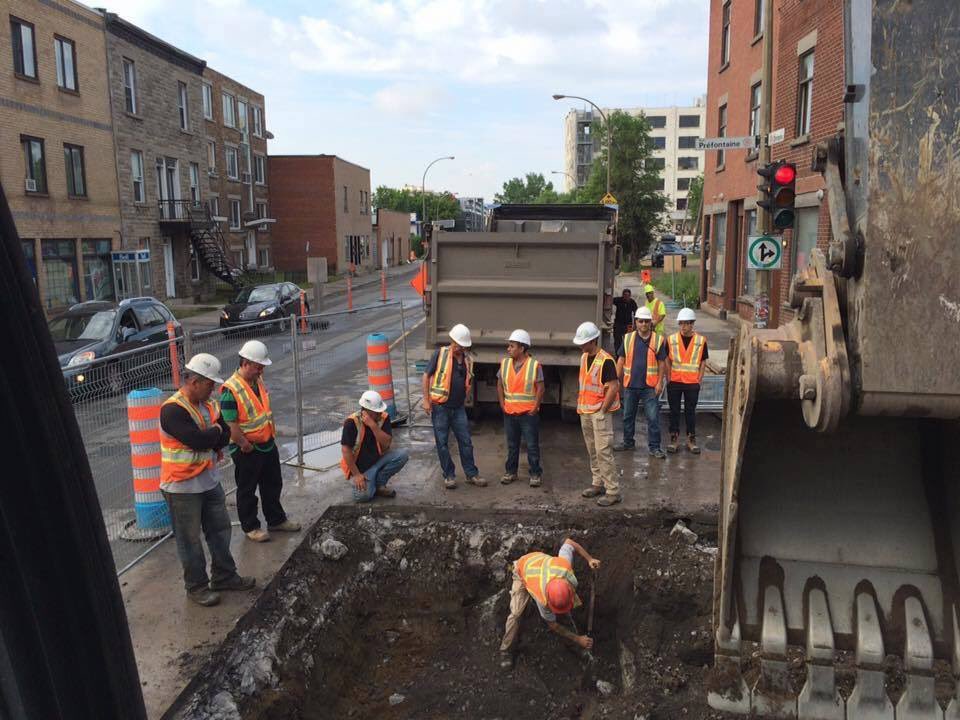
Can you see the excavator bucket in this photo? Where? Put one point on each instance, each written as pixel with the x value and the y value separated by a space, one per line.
pixel 836 585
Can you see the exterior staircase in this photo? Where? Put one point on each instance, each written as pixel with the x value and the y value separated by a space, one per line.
pixel 211 246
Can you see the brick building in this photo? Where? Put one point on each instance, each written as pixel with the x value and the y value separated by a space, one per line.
pixel 56 148
pixel 236 146
pixel 391 228
pixel 322 207
pixel 808 88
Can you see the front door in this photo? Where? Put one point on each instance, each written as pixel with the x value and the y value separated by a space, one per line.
pixel 169 271
pixel 251 249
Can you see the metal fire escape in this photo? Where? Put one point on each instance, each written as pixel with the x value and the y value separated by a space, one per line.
pixel 211 246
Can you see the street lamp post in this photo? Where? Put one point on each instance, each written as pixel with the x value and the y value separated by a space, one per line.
pixel 605 122
pixel 423 190
pixel 561 172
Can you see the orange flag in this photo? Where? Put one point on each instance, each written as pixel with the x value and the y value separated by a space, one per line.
pixel 419 281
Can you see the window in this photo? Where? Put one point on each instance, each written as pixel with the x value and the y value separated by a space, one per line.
pixel 66 53
pixel 147 316
pixel 346 206
pixel 129 86
pixel 232 167
pixel 755 109
pixel 211 157
pixel 257 121
pixel 195 184
pixel 194 265
pixel 213 204
pixel 805 94
pixel 757 17
pixel 718 251
pixel 35 164
pixel 804 237
pixel 659 143
pixel 725 34
pixel 721 132
pixel 689 121
pixel 688 163
pixel 242 115
pixel 229 116
pixel 655 163
pixel 260 169
pixel 146 269
pixel 207 96
pixel 263 257
pixel 182 106
pixel 750 276
pixel 76 176
pixel 681 203
pixel 24 48
pixel 29 252
pixel 60 266
pixel 234 214
pixel 659 185
pixel 261 209
pixel 657 121
pixel 97 269
pixel 136 174
pixel 683 183
pixel 687 142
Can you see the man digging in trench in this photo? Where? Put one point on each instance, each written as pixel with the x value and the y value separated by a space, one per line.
pixel 551 583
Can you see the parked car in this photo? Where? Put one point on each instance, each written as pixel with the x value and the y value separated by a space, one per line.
pixel 89 331
pixel 258 303
pixel 667 247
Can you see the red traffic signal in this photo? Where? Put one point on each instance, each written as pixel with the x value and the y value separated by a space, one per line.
pixel 779 193
pixel 785 174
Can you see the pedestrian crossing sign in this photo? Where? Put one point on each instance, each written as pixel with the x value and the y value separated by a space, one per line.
pixel 608 199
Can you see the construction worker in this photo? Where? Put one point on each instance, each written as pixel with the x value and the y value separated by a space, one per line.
pixel 446 385
pixel 245 404
pixel 686 359
pixel 599 397
pixel 520 390
pixel 625 307
pixel 550 581
pixel 192 436
pixel 642 371
pixel 657 309
pixel 365 446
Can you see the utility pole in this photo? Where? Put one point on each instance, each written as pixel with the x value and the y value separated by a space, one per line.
pixel 764 218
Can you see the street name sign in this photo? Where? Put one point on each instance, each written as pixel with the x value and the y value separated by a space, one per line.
pixel 747 142
pixel 776 137
pixel 764 253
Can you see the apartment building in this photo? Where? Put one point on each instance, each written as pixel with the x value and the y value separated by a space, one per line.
pixel 56 148
pixel 807 103
pixel 471 209
pixel 236 168
pixel 391 228
pixel 322 207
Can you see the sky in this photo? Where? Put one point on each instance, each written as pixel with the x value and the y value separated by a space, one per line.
pixel 392 85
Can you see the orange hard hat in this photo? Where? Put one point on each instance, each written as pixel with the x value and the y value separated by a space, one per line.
pixel 560 596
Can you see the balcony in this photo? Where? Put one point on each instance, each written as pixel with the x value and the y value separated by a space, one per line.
pixel 174 214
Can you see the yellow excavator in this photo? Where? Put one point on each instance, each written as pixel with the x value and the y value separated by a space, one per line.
pixel 836 590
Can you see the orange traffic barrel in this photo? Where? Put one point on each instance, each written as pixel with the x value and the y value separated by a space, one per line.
pixel 379 374
pixel 143 417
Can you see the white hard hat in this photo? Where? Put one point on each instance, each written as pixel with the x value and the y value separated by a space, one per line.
pixel 255 351
pixel 585 333
pixel 686 315
pixel 460 334
pixel 372 401
pixel 643 313
pixel 520 336
pixel 206 365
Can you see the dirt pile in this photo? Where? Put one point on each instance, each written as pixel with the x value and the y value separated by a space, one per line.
pixel 408 623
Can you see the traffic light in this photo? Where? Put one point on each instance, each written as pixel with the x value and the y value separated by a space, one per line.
pixel 779 193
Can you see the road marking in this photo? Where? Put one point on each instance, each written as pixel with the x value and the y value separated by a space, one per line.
pixel 420 322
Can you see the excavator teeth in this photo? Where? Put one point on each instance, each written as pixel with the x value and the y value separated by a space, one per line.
pixel 953 708
pixel 869 699
pixel 772 695
pixel 919 700
pixel 735 695
pixel 820 699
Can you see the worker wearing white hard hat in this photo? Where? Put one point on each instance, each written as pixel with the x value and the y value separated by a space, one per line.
pixel 520 390
pixel 687 358
pixel 447 385
pixel 597 400
pixel 245 403
pixel 192 436
pixel 368 459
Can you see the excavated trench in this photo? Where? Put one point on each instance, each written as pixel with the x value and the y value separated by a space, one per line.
pixel 407 624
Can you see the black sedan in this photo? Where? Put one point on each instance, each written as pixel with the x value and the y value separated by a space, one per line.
pixel 259 303
pixel 667 248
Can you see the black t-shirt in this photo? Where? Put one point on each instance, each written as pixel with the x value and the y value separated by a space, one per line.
pixel 458 380
pixel 626 309
pixel 368 451
pixel 608 373
pixel 686 344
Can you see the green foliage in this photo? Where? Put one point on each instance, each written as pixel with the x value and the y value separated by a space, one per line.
pixel 534 188
pixel 416 244
pixel 694 198
pixel 687 286
pixel 634 184
pixel 440 206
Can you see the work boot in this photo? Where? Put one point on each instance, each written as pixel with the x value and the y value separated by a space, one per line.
pixel 536 480
pixel 386 492
pixel 477 480
pixel 692 444
pixel 237 582
pixel 449 483
pixel 674 443
pixel 204 596
pixel 258 535
pixel 593 491
pixel 508 478
pixel 286 526
pixel 658 453
pixel 506 660
pixel 623 447
pixel 608 500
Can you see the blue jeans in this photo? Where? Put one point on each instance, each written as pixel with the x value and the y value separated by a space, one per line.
pixel 207 511
pixel 444 420
pixel 527 426
pixel 632 397
pixel 379 474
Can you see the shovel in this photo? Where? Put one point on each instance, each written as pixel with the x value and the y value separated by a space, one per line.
pixel 593 599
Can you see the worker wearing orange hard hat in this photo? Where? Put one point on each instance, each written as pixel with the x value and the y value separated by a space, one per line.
pixel 550 581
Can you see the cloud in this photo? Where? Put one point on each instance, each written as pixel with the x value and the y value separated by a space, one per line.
pixel 410 99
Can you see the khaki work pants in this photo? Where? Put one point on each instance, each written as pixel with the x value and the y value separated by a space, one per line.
pixel 598 437
pixel 519 597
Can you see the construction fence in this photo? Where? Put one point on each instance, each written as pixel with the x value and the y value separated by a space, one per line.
pixel 319 369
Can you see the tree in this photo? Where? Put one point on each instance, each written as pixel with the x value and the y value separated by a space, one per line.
pixel 534 188
pixel 694 198
pixel 440 205
pixel 634 180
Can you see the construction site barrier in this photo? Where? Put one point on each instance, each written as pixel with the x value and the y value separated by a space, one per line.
pixel 379 373
pixel 150 509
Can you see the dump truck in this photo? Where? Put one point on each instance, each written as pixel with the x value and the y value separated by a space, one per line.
pixel 543 268
pixel 839 522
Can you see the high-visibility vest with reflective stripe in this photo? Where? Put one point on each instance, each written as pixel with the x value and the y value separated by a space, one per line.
pixel 253 413
pixel 440 384
pixel 536 569
pixel 685 362
pixel 656 307
pixel 519 386
pixel 358 443
pixel 179 462
pixel 590 399
pixel 653 366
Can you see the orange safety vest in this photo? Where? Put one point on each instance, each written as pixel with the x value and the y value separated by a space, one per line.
pixel 440 385
pixel 685 362
pixel 519 386
pixel 590 399
pixel 253 413
pixel 536 569
pixel 653 366
pixel 361 431
pixel 179 462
